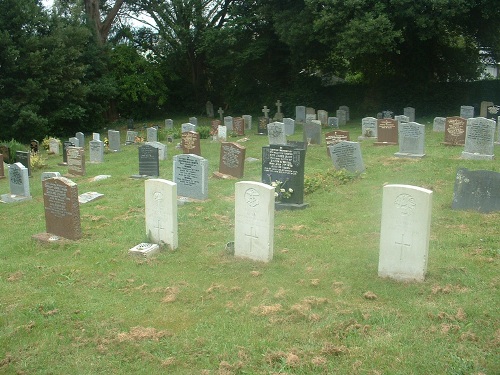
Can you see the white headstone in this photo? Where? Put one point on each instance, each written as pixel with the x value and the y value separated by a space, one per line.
pixel 75 141
pixel 222 133
pixel 161 211
pixel 411 140
pixel 254 221
pixel 405 232
pixel 114 140
pixel 54 146
pixel 96 137
pixel 276 133
pixel 479 139
pixel 96 153
pixel 152 134
pixel 19 184
pixel 368 128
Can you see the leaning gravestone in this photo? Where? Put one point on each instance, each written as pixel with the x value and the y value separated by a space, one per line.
pixel 300 113
pixel 254 221
pixel 454 131
pixel 347 155
pixel 405 232
pixel 75 141
pixel 62 209
pixel 161 212
pixel 114 140
pixel 276 133
pixel 96 150
pixel 387 132
pixel 284 166
pixel 476 190
pixel 232 159
pixel 194 121
pixel 479 139
pixel 19 184
pixel 190 143
pixel 191 176
pixel 23 157
pixel 76 161
pixel 368 128
pixel 149 164
pixel 311 132
pixel 439 124
pixel 409 112
pixel 411 140
pixel 466 111
pixel 54 146
pixel 239 126
pixel 46 175
pixel 289 126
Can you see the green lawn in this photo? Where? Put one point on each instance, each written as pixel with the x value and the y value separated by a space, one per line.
pixel 318 307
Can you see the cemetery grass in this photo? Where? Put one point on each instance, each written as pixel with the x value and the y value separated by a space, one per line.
pixel 87 307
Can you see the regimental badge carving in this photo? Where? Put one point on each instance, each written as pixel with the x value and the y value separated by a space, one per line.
pixel 252 197
pixel 405 204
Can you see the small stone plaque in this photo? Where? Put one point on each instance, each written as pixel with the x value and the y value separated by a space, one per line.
pixel 89 197
pixel 145 250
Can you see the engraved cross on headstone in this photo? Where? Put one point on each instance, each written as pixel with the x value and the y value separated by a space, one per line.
pixel 221 113
pixel 252 235
pixel 402 246
pixel 265 111
pixel 159 227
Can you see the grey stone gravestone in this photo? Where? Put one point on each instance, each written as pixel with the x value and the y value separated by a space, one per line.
pixel 19 184
pixel 476 190
pixel 228 123
pixel 162 149
pixel 283 167
pixel 152 134
pixel 347 111
pixel 479 139
pixel 438 124
pixel 492 112
pixel 62 209
pixel 191 176
pixel 65 151
pixel 334 137
pixel 248 121
pixel 411 140
pixel 81 139
pixel 402 118
pixel 279 115
pixel 289 126
pixel 76 161
pixel 75 141
pixel 300 113
pixel 312 132
pixel 194 121
pixel 96 137
pixel 149 164
pixel 209 107
pixel 130 137
pixel 232 159
pixel 89 197
pixel 342 116
pixel 276 133
pixel 96 151
pixel 221 114
pixel 23 157
pixel 410 113
pixel 368 128
pixel 54 146
pixel 466 111
pixel 323 117
pixel 347 155
pixel 187 127
pixel 387 114
pixel 114 140
pixel 46 175
pixel 169 123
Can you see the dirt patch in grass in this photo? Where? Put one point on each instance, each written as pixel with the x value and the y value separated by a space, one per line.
pixel 267 309
pixel 16 276
pixel 143 333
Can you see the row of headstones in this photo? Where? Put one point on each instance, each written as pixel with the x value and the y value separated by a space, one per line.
pixel 306 114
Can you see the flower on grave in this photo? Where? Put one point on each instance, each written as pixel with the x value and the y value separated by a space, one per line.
pixel 281 192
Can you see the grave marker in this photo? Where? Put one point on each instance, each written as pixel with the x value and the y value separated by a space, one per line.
pixel 34 146
pixel 54 146
pixel 222 133
pixel 347 111
pixel 187 127
pixel 254 221
pixel 248 121
pixel 311 132
pixel 387 132
pixel 483 111
pixel 75 141
pixel 5 151
pixel 466 111
pixel 191 176
pixel 66 145
pixel 81 139
pixel 289 126
pixel 232 159
pixel 2 172
pixel 23 157
pixel 161 212
pixel 238 126
pixel 114 140
pixel 194 121
pixel 323 117
pixel 149 164
pixel 76 161
pixel 342 116
pixel 439 124
pixel 263 122
pixel 409 112
pixel 162 149
pixel 209 107
pixel 276 133
pixel 368 128
pixel 169 123
pixel 479 139
pixel 405 232
pixel 190 143
pixel 300 113
pixel 19 184
pixel 347 155
pixel 476 190
pixel 411 140
pixel 454 131
pixel 96 150
pixel 279 115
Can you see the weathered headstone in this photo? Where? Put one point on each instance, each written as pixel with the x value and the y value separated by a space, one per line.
pixel 387 132
pixel 76 161
pixel 248 121
pixel 265 111
pixel 46 175
pixel 190 143
pixel 479 139
pixel 209 107
pixel 131 136
pixel 89 197
pixel 401 119
pixel 334 137
pixel 151 134
pixel 5 151
pixel 96 151
pixel 214 128
pixel 323 117
pixel 239 126
pixel 262 128
pixel 312 132
pixel 75 141
pixel 221 114
pixel 194 121
pixel 300 113
pixel 23 157
pixel 405 232
pixel 149 161
pixel 96 137
pixel 289 126
pixel 81 139
pixel 169 123
pixel 187 127
pixel 410 113
pixel 454 131
pixel 66 145
pixel 254 221
pixel 279 115
pixel 411 140
pixel 310 117
pixel 19 184
pixel 161 212
pixel 162 149
pixel 466 111
pixel 232 159
pixel 228 123
pixel 438 124
pixel 347 111
pixel 222 133
pixel 114 140
pixel 483 110
pixel 387 114
pixel 342 116
pixel 62 209
pixel 368 128
pixel 191 176
pixel 54 146
pixel 333 122
pixel 476 190
pixel 284 166
pixel 276 133
pixel 347 155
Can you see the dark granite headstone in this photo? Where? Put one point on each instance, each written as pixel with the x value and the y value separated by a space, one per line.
pixel 62 209
pixel 149 161
pixel 387 132
pixel 285 164
pixel 232 159
pixel 76 161
pixel 23 157
pixel 262 129
pixel 476 190
pixel 454 131
pixel 190 143
pixel 238 126
pixel 66 144
pixel 492 112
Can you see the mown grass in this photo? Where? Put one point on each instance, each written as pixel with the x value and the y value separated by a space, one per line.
pixel 319 307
